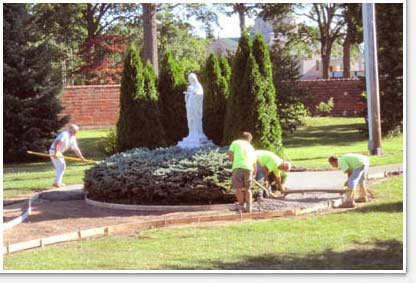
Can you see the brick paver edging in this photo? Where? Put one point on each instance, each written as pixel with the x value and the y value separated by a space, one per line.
pixel 131 227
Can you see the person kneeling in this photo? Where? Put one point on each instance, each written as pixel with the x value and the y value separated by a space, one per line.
pixel 268 163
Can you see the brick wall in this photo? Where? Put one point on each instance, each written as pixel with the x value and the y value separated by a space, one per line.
pixel 98 106
pixel 346 93
pixel 92 106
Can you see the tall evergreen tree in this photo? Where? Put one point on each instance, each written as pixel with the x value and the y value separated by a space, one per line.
pixel 225 69
pixel 237 107
pixel 31 87
pixel 153 135
pixel 139 122
pixel 271 134
pixel 171 86
pixel 290 94
pixel 215 97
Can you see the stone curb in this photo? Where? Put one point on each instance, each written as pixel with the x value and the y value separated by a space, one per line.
pixel 158 207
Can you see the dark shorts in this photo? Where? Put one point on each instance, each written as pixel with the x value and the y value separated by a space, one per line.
pixel 241 178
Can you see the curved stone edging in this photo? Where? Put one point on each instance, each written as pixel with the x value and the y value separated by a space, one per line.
pixel 157 207
pixel 131 227
pixel 26 213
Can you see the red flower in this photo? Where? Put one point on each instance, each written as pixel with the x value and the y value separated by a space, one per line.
pixel 360 106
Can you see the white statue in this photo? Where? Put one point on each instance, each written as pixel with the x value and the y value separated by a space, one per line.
pixel 194 97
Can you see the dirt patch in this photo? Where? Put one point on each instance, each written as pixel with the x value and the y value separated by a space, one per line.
pixel 50 218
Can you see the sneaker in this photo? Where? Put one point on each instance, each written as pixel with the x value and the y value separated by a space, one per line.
pixel 364 199
pixel 58 185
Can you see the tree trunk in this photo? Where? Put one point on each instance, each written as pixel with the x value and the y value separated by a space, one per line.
pixel 325 66
pixel 347 55
pixel 240 8
pixel 150 35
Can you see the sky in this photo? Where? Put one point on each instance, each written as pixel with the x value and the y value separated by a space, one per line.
pixel 230 26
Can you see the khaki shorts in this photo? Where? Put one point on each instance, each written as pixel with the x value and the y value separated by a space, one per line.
pixel 241 178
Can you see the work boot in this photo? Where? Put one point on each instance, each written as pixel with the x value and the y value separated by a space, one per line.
pixel 361 200
pixel 347 204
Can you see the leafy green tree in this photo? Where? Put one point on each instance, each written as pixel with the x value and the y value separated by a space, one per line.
pixel 139 121
pixel 87 37
pixel 176 37
pixel 354 34
pixel 171 86
pixel 215 98
pixel 237 106
pixel 31 87
pixel 327 17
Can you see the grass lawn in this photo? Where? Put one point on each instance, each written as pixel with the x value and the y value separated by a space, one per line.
pixel 23 178
pixel 368 238
pixel 309 147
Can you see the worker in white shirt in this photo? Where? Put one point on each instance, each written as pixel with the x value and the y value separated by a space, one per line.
pixel 62 142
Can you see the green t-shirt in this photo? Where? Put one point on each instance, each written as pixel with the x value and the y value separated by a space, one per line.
pixel 244 155
pixel 352 161
pixel 270 160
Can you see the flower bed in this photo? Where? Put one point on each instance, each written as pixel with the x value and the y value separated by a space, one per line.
pixel 165 176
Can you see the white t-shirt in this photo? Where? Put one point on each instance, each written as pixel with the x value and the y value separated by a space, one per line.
pixel 67 141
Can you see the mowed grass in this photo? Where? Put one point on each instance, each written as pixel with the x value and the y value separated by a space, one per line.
pixel 309 147
pixel 24 178
pixel 367 238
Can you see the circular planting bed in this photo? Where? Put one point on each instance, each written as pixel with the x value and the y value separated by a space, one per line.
pixel 166 176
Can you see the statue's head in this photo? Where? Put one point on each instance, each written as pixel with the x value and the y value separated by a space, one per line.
pixel 192 78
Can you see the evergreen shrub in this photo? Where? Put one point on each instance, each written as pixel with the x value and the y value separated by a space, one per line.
pixel 215 98
pixel 171 87
pixel 164 176
pixel 139 122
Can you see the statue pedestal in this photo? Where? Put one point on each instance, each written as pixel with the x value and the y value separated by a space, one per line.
pixel 195 141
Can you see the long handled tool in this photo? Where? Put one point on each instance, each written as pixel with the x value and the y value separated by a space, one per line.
pixel 287 192
pixel 64 157
pixel 268 192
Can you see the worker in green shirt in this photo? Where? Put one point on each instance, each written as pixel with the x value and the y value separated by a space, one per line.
pixel 243 157
pixel 269 163
pixel 356 166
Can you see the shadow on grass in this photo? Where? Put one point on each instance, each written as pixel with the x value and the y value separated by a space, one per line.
pixel 325 135
pixel 384 207
pixel 379 255
pixel 91 148
pixel 36 167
